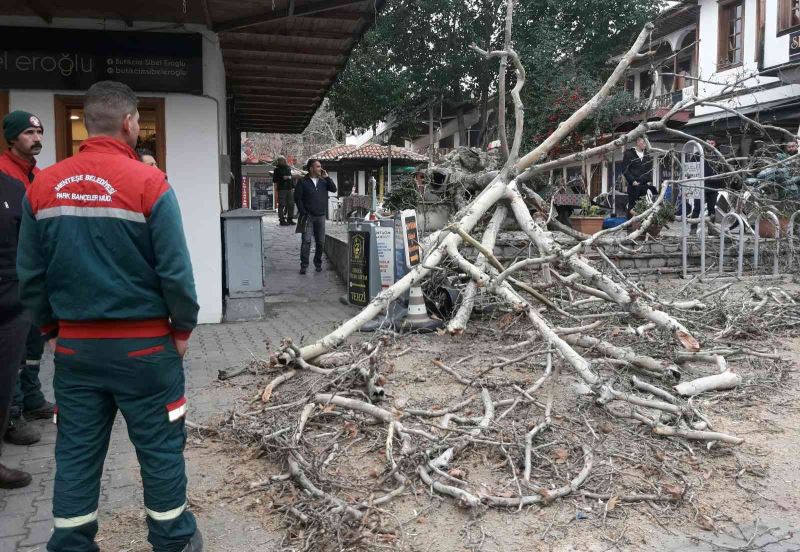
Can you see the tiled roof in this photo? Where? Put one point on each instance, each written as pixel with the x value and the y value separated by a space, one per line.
pixel 377 151
pixel 368 151
pixel 334 153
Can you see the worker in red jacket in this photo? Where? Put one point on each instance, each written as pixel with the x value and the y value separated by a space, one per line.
pixel 104 270
pixel 23 133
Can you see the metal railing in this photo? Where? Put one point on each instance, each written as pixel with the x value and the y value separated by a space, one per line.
pixel 723 228
pixel 777 224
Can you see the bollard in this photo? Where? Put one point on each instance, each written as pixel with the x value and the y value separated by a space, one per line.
pixel 777 224
pixel 723 228
pixel 791 237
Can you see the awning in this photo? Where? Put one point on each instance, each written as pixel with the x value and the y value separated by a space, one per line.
pixel 281 56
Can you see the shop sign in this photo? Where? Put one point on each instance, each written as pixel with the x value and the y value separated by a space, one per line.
pixel 358 278
pixel 794 45
pixel 245 192
pixel 75 59
pixel 384 239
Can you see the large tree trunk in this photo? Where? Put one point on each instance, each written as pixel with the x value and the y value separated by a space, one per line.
pixel 463 139
pixel 430 136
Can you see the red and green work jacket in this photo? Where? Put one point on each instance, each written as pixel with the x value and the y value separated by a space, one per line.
pixel 102 253
pixel 17 167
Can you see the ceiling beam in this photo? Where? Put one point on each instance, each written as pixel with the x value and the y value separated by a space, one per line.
pixel 254 80
pixel 290 91
pixel 269 103
pixel 271 117
pixel 40 9
pixel 207 14
pixel 253 50
pixel 274 97
pixel 308 9
pixel 274 130
pixel 273 111
pixel 278 85
pixel 276 93
pixel 271 42
pixel 236 68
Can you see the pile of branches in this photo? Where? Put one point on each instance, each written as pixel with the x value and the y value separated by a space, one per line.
pixel 508 426
pixel 563 304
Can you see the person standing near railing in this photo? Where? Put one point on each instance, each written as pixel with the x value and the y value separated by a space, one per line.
pixel 638 167
pixel 711 186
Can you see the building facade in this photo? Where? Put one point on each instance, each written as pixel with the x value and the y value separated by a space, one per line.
pixel 183 126
pixel 744 54
pixel 204 71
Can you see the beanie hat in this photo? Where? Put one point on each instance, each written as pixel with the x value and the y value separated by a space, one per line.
pixel 17 121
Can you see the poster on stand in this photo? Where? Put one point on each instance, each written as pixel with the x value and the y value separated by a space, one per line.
pixel 384 238
pixel 408 218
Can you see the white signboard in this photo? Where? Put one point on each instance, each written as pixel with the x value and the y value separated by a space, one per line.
pixel 384 237
pixel 692 170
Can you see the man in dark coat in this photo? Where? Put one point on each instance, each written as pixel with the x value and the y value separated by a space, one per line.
pixel 23 132
pixel 311 198
pixel 638 166
pixel 282 177
pixel 711 185
pixel 14 321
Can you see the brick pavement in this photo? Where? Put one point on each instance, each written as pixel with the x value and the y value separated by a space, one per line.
pixel 301 306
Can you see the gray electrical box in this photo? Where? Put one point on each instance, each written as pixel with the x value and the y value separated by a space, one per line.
pixel 244 265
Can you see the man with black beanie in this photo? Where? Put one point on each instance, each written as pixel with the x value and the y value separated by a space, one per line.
pixel 23 132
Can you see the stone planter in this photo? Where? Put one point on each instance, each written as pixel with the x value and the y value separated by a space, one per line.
pixel 587 225
pixel 654 230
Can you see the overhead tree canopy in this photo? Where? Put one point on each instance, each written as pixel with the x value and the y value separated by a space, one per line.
pixel 418 53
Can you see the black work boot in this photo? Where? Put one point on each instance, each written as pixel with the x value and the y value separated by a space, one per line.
pixel 20 432
pixel 13 479
pixel 44 412
pixel 195 543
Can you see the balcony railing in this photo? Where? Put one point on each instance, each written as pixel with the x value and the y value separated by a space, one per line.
pixel 671 98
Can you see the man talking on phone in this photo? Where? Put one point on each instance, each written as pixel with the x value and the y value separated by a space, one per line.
pixel 311 198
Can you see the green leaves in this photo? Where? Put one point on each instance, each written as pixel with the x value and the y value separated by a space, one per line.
pixel 419 52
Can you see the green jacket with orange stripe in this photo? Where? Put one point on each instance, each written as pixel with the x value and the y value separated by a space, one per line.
pixel 102 253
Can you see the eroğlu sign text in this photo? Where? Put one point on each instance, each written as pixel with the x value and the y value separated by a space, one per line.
pixel 71 59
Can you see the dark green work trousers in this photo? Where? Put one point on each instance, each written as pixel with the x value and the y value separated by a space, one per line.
pixel 28 394
pixel 143 379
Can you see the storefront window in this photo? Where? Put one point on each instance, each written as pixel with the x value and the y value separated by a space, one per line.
pixel 71 130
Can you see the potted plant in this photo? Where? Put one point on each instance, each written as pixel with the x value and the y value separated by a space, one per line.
pixel 589 219
pixel 663 216
pixel 766 228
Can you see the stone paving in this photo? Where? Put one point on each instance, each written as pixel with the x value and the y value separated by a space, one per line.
pixel 301 306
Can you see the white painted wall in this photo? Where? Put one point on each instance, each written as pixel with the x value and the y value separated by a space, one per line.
pixel 361 182
pixel 776 51
pixel 449 129
pixel 193 165
pixel 195 138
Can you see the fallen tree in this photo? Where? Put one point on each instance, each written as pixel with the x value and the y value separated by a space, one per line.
pixel 550 290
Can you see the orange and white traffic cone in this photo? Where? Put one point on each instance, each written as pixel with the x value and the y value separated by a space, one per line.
pixel 417 318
